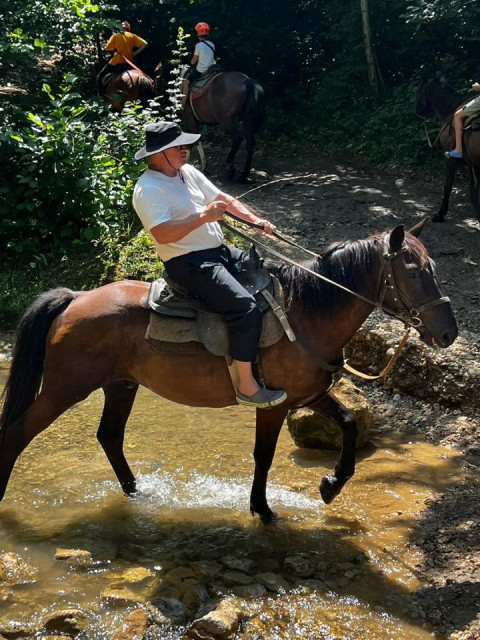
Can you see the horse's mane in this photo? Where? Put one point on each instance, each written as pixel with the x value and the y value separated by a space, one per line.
pixel 447 96
pixel 353 264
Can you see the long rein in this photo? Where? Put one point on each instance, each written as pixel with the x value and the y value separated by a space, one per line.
pixel 409 317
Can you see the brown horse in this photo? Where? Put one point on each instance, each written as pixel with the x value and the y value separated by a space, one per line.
pixel 436 98
pixel 71 343
pixel 231 100
pixel 129 86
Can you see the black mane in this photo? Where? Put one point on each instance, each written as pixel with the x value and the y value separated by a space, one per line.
pixel 348 263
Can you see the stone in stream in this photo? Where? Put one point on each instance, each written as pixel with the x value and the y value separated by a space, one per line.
pixel 220 623
pixel 15 570
pixel 315 430
pixel 134 626
pixel 70 621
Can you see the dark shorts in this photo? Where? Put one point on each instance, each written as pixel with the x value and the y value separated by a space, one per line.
pixel 207 274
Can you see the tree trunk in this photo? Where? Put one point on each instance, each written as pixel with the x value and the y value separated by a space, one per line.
pixel 372 71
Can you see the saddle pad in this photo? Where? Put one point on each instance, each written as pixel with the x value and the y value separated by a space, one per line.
pixel 200 86
pixel 170 335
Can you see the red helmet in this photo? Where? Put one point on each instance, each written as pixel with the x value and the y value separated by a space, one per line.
pixel 126 26
pixel 202 29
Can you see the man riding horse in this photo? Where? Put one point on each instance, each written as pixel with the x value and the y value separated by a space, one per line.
pixel 126 46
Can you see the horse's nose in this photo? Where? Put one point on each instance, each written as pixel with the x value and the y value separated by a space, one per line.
pixel 448 337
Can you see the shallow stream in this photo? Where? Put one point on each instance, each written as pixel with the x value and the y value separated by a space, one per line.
pixel 340 572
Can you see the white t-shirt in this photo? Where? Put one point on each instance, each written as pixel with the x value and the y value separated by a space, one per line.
pixel 206 57
pixel 158 198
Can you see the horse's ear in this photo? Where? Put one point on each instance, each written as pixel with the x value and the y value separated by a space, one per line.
pixel 396 238
pixel 417 229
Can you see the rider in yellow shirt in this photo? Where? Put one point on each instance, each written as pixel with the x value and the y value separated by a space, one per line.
pixel 125 45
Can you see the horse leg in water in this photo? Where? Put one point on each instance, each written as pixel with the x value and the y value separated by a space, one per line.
pixel 119 399
pixel 268 425
pixel 331 486
pixel 46 408
pixel 474 184
pixel 451 170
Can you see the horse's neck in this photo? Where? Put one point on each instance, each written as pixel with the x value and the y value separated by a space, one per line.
pixel 446 102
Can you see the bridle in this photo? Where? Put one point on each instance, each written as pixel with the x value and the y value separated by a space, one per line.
pixel 406 310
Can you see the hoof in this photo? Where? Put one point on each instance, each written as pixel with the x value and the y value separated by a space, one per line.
pixel 267 516
pixel 243 179
pixel 329 488
pixel 129 489
pixel 438 217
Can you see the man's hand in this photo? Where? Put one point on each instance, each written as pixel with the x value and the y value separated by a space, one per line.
pixel 268 227
pixel 476 86
pixel 214 211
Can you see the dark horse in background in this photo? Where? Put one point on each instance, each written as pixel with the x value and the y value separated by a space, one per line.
pixel 129 86
pixel 71 343
pixel 231 100
pixel 436 98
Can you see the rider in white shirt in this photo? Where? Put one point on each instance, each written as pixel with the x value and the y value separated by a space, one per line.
pixel 203 58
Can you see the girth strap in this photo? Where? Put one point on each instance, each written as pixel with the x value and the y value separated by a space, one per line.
pixel 278 311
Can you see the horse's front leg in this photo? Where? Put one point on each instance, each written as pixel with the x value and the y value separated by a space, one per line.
pixel 331 486
pixel 451 169
pixel 268 425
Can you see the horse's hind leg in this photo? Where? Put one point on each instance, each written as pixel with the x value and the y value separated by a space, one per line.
pixel 250 146
pixel 268 426
pixel 452 166
pixel 474 184
pixel 119 399
pixel 331 486
pixel 14 437
pixel 233 131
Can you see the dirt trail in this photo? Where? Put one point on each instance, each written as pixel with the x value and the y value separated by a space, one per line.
pixel 338 202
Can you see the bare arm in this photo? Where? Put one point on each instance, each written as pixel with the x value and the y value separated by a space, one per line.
pixel 239 209
pixel 476 86
pixel 194 60
pixel 140 49
pixel 175 230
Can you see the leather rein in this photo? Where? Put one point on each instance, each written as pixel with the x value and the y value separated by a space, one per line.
pixel 406 311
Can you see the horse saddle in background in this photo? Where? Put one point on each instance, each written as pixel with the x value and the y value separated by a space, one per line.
pixel 199 86
pixel 472 123
pixel 181 323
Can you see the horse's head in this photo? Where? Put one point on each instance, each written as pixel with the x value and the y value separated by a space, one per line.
pixel 409 288
pixel 423 105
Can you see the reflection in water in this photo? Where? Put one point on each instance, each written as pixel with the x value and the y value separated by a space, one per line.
pixel 344 571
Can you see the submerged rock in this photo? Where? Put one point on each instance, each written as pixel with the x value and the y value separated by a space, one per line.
pixel 70 621
pixel 316 430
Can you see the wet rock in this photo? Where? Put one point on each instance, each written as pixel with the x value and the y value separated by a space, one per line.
pixel 273 581
pixel 240 564
pixel 220 623
pixel 450 375
pixel 14 570
pixel 181 573
pixel 193 594
pixel 248 591
pixel 172 608
pixel 133 626
pixel 69 621
pixel 76 557
pixel 135 575
pixel 122 597
pixel 11 630
pixel 206 569
pixel 236 578
pixel 315 430
pixel 298 566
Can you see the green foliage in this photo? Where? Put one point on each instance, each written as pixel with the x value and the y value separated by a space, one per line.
pixel 135 258
pixel 73 171
pixel 174 86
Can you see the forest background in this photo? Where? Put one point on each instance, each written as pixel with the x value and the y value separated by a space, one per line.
pixel 67 167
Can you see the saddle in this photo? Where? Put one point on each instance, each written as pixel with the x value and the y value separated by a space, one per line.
pixel 472 123
pixel 181 323
pixel 199 86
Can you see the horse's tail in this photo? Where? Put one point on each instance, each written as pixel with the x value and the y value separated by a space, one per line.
pixel 254 108
pixel 26 371
pixel 145 89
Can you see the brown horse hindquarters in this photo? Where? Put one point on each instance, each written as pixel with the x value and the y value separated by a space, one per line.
pixel 223 100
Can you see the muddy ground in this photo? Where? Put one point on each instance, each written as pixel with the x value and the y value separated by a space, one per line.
pixel 317 201
pixel 323 201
